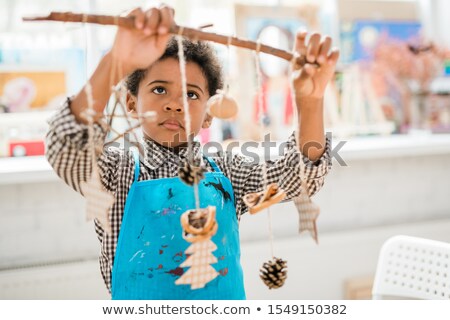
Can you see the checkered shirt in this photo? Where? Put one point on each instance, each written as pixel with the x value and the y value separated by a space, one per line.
pixel 67 151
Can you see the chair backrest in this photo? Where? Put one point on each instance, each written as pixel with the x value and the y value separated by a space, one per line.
pixel 413 268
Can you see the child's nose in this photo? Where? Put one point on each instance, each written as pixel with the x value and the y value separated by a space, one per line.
pixel 173 108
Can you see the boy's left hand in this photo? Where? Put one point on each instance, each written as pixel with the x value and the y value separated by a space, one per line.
pixel 310 81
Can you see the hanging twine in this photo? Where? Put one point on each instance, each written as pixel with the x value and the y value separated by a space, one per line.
pixel 228 75
pixel 261 123
pixel 90 112
pixel 270 232
pixel 187 116
pixel 260 104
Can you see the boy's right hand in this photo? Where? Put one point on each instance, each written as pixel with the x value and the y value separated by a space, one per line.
pixel 138 48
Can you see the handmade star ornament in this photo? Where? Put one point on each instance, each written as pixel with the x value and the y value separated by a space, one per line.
pixel 98 201
pixel 308 212
pixel 258 201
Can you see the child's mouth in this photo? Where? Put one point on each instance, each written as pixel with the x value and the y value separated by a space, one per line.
pixel 172 125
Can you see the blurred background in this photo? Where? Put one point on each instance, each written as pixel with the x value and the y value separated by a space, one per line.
pixel 388 110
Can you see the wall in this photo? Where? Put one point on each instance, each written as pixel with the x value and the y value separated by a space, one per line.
pixel 47 250
pixel 43 223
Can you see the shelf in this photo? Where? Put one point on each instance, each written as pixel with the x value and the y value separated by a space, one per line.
pixel 420 144
pixel 37 169
pixel 26 170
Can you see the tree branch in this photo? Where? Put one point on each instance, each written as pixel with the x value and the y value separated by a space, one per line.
pixel 191 33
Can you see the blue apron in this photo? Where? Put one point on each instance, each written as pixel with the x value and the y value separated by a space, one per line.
pixel 150 247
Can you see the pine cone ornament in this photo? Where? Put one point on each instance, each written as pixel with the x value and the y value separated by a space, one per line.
pixel 191 174
pixel 274 273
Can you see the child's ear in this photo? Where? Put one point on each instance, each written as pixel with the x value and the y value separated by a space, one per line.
pixel 207 122
pixel 131 103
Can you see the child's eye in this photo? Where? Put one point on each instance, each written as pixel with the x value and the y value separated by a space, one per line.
pixel 159 90
pixel 192 95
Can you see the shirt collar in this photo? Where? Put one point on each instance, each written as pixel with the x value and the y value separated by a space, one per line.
pixel 156 155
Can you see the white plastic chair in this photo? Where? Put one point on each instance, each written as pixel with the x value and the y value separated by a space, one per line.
pixel 413 268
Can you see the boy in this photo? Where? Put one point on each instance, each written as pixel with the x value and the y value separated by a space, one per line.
pixel 140 258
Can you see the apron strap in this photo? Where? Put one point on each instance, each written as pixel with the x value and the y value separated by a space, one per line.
pixel 213 164
pixel 136 163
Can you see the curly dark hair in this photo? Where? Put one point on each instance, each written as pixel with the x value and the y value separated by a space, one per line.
pixel 199 52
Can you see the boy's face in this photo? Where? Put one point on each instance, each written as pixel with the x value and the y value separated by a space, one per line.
pixel 160 91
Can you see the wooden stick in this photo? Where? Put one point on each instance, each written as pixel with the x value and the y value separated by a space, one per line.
pixel 191 33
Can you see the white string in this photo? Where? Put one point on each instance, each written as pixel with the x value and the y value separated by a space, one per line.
pixel 187 116
pixel 270 232
pixel 90 112
pixel 260 105
pixel 260 115
pixel 90 118
pixel 228 75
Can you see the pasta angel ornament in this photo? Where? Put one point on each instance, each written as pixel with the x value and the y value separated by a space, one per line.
pixel 258 201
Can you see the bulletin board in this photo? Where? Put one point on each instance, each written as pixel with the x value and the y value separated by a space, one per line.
pixel 46 85
pixel 277 112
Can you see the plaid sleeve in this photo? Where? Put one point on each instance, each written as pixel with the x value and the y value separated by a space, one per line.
pixel 68 152
pixel 247 175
